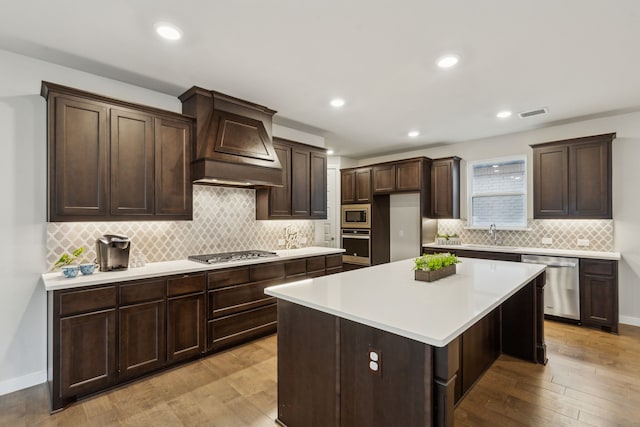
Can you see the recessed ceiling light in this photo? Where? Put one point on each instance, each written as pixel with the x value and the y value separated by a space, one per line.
pixel 503 114
pixel 329 151
pixel 168 31
pixel 413 134
pixel 337 102
pixel 448 61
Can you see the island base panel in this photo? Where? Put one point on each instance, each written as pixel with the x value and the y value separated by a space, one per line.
pixel 308 367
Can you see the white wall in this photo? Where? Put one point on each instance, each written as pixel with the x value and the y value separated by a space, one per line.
pixel 626 176
pixel 23 214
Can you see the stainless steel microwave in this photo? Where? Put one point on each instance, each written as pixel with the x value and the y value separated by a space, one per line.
pixel 356 216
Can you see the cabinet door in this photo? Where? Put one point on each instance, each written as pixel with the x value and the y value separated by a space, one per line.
pixel 363 185
pixel 550 182
pixel 132 168
pixel 78 159
pixel 348 187
pixel 409 176
pixel 590 180
pixel 318 185
pixel 142 338
pixel 599 293
pixel 300 182
pixel 384 179
pixel 87 352
pixel 173 187
pixel 445 188
pixel 185 326
pixel 280 197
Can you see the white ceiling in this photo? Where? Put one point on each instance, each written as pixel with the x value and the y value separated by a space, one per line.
pixel 576 57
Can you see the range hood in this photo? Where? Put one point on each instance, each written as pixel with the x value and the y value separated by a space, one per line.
pixel 233 141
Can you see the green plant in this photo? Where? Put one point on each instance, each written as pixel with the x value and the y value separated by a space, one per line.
pixel 66 259
pixel 435 261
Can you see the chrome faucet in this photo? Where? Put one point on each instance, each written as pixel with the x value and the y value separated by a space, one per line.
pixel 493 232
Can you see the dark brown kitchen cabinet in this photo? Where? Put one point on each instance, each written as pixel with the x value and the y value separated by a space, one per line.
pixel 304 191
pixel 572 178
pixel 300 183
pixel 355 186
pixel 142 327
pixel 111 160
pixel 445 188
pixel 185 317
pixel 599 294
pixel 173 188
pixel 398 176
pixel 131 163
pixel 78 185
pixel 82 355
pixel 384 179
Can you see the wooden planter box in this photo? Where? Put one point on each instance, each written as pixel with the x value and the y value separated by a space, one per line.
pixel 430 276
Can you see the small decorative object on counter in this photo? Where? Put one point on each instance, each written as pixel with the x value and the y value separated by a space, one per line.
pixel 88 268
pixel 70 271
pixel 447 239
pixel 137 259
pixel 429 268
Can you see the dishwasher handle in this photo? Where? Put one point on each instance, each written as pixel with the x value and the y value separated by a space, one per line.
pixel 553 264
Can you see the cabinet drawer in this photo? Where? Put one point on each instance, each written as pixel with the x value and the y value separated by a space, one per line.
pixel 222 278
pixel 294 268
pixel 598 267
pixel 334 261
pixel 315 264
pixel 188 284
pixel 266 271
pixel 239 327
pixel 132 293
pixel 237 298
pixel 87 300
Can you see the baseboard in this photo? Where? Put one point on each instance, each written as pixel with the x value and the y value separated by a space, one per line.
pixel 628 320
pixel 25 381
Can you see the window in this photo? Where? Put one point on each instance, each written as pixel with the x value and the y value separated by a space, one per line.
pixel 497 192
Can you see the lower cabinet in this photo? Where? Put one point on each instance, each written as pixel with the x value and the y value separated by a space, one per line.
pixel 87 353
pixel 599 294
pixel 104 335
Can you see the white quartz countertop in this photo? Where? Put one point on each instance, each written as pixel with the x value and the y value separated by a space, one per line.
pixel 530 251
pixel 387 297
pixel 56 280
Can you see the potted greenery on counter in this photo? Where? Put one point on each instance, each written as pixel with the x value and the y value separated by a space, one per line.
pixel 433 267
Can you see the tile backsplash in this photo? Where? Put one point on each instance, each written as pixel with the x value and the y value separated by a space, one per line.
pixel 223 220
pixel 564 234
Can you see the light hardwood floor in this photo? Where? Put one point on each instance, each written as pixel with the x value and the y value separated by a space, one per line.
pixel 592 378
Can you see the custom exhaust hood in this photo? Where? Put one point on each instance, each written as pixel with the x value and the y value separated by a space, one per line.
pixel 233 141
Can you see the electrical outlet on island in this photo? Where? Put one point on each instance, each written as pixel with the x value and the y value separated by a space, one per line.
pixel 583 242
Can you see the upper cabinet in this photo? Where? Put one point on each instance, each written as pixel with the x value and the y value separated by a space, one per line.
pixel 572 178
pixel 445 188
pixel 304 191
pixel 110 160
pixel 355 186
pixel 398 176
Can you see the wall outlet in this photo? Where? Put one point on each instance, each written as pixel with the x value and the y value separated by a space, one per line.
pixel 281 242
pixel 547 241
pixel 375 361
pixel 303 240
pixel 583 242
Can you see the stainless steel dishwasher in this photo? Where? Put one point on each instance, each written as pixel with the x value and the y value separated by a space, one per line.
pixel 562 290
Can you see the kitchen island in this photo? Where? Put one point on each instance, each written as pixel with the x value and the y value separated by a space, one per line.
pixel 375 347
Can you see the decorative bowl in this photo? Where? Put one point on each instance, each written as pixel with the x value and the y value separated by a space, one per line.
pixel 87 269
pixel 70 271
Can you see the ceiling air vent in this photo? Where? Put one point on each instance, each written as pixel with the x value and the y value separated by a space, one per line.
pixel 531 113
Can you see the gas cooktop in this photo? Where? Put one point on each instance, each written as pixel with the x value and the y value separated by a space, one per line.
pixel 231 256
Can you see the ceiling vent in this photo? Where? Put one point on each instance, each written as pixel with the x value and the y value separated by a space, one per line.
pixel 531 113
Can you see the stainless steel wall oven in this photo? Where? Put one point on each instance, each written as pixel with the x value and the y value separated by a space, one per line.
pixel 357 245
